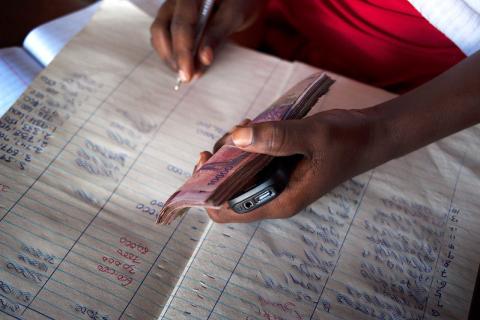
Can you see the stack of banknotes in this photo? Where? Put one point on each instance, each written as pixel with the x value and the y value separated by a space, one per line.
pixel 230 168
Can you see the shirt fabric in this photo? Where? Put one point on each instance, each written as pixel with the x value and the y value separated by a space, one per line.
pixel 459 20
pixel 387 43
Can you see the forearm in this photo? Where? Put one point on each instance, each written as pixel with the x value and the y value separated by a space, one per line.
pixel 441 107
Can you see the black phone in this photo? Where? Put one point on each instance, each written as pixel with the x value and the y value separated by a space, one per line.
pixel 269 183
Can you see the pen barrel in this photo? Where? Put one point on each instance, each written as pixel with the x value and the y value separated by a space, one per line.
pixel 205 12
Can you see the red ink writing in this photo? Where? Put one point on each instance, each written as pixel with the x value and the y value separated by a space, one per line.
pixel 134 245
pixel 130 256
pixel 124 280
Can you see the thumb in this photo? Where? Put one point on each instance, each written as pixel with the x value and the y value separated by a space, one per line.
pixel 276 138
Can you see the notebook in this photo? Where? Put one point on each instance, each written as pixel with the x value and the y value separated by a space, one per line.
pixel 99 140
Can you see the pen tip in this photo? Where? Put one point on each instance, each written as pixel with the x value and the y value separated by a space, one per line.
pixel 177 84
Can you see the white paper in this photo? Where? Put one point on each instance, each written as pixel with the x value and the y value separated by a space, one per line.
pixel 46 41
pixel 17 70
pixel 100 140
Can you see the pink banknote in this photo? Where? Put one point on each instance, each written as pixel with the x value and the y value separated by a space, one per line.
pixel 230 168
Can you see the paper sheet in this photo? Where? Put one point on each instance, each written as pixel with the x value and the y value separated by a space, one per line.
pixel 19 66
pixel 399 242
pixel 100 140
pixel 46 41
pixel 17 70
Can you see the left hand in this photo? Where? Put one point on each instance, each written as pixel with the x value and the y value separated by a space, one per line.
pixel 335 145
pixel 339 144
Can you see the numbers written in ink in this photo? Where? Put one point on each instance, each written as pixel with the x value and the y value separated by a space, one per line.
pixel 209 130
pixel 123 279
pixel 92 314
pixel 178 171
pixel 34 263
pixel 130 256
pixel 8 149
pixel 39 254
pixel 143 249
pixel 25 272
pixel 152 209
pixel 6 289
pixel 8 306
pixel 115 262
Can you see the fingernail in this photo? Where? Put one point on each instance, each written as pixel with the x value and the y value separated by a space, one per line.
pixel 242 137
pixel 200 157
pixel 206 56
pixel 182 75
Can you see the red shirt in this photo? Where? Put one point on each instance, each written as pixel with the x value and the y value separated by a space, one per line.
pixel 386 43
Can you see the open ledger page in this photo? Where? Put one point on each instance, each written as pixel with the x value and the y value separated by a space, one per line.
pixel 399 242
pixel 89 153
pixel 100 140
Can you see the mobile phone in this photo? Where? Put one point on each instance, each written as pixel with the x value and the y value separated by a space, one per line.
pixel 269 183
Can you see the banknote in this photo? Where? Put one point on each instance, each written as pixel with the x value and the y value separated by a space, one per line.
pixel 230 168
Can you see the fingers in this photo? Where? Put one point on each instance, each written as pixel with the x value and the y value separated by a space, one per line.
pixel 206 54
pixel 160 31
pixel 204 156
pixel 174 33
pixel 183 36
pixel 287 204
pixel 276 138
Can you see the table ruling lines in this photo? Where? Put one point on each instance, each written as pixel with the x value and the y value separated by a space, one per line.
pixel 447 216
pixel 67 143
pixel 207 231
pixel 357 209
pixel 121 180
pixel 85 229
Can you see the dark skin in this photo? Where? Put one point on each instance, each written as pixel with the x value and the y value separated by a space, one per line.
pixel 327 140
pixel 173 31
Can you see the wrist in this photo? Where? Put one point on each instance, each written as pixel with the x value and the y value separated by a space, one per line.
pixel 383 143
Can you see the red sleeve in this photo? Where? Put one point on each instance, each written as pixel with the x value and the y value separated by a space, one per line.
pixel 386 43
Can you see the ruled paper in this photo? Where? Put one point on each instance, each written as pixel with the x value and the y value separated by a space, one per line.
pixel 398 242
pixel 91 151
pixel 100 139
pixel 17 70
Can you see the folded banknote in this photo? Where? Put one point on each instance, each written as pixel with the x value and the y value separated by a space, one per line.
pixel 230 168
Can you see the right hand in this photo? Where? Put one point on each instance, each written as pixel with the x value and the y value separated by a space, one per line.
pixel 173 31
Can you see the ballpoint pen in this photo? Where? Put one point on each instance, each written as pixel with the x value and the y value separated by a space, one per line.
pixel 205 11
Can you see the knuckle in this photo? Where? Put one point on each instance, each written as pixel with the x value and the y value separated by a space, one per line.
pixel 315 137
pixel 180 25
pixel 278 138
pixel 316 164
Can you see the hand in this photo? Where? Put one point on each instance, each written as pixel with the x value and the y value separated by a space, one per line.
pixel 173 31
pixel 335 145
pixel 340 144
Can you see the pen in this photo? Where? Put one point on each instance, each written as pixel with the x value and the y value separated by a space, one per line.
pixel 205 11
